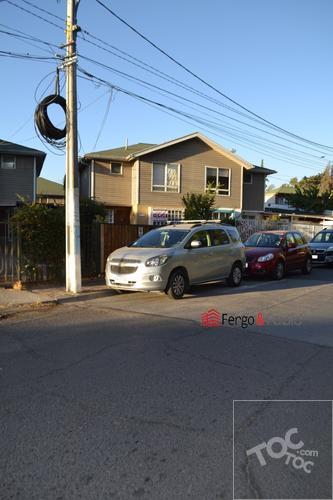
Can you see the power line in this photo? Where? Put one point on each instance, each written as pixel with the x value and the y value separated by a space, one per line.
pixel 158 73
pixel 18 55
pixel 185 68
pixel 33 14
pixel 165 91
pixel 42 10
pixel 188 116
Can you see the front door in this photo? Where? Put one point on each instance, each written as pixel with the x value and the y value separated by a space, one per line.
pixel 121 215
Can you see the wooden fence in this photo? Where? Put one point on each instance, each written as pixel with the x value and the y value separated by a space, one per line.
pixel 114 236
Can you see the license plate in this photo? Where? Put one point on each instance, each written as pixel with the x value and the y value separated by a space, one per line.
pixel 315 257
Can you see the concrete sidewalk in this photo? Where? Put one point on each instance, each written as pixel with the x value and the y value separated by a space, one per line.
pixel 12 301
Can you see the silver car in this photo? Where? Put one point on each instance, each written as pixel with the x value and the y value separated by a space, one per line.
pixel 173 257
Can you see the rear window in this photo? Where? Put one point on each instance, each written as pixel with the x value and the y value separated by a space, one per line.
pixel 218 237
pixel 233 235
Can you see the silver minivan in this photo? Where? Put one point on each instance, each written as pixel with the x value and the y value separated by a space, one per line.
pixel 173 257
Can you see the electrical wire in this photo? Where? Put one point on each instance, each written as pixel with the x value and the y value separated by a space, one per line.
pixel 107 109
pixel 155 71
pixel 179 97
pixel 212 87
pixel 188 116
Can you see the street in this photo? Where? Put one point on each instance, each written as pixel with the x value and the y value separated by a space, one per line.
pixel 130 396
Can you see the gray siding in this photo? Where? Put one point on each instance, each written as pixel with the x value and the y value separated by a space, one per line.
pixel 17 182
pixel 254 194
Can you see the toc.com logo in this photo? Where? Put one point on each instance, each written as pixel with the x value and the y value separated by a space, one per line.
pixel 278 448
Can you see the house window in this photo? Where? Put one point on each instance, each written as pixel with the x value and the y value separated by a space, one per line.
pixel 281 200
pixel 165 177
pixel 109 216
pixel 8 161
pixel 247 178
pixel 218 180
pixel 116 168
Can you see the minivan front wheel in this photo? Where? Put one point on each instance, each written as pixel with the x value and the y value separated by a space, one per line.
pixel 177 284
pixel 236 275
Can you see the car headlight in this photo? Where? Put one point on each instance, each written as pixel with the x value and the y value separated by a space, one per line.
pixel 330 249
pixel 266 258
pixel 157 261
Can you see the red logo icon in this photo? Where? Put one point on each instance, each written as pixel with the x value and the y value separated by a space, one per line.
pixel 260 319
pixel 211 319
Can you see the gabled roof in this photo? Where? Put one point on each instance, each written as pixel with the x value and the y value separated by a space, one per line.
pixel 11 148
pixel 203 138
pixel 137 150
pixel 121 154
pixel 50 188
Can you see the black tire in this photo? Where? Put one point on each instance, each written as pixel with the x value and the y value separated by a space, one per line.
pixel 307 267
pixel 279 270
pixel 236 275
pixel 177 284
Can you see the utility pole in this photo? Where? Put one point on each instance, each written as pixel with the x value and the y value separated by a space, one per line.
pixel 73 250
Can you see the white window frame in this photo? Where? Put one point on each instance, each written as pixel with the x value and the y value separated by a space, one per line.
pixel 118 163
pixel 216 189
pixel 165 187
pixel 2 162
pixel 173 214
pixel 109 216
pixel 249 173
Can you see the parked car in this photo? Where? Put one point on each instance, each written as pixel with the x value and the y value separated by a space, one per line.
pixel 173 257
pixel 322 247
pixel 273 253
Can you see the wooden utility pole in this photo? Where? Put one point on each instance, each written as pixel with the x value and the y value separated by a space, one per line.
pixel 73 250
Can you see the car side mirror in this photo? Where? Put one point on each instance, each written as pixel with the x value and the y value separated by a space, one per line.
pixel 196 244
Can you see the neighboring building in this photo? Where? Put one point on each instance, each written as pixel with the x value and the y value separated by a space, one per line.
pixel 144 183
pixel 276 199
pixel 50 192
pixel 19 168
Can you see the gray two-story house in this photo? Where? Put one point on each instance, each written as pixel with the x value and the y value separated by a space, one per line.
pixel 19 168
pixel 145 183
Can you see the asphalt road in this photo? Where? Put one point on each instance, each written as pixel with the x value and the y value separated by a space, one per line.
pixel 129 396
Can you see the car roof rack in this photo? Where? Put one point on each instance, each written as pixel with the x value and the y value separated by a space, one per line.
pixel 197 222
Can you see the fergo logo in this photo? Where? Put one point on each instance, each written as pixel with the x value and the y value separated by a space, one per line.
pixel 213 319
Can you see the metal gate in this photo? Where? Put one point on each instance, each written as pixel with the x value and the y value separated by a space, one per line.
pixel 10 253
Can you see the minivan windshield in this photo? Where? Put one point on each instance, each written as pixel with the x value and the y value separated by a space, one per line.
pixel 269 240
pixel 165 238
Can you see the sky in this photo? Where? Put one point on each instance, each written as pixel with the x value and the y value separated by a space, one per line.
pixel 273 57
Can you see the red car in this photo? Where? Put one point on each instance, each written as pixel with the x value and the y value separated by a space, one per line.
pixel 273 253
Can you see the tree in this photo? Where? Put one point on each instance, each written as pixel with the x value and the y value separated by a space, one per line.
pixel 198 205
pixel 42 232
pixel 326 188
pixel 306 196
